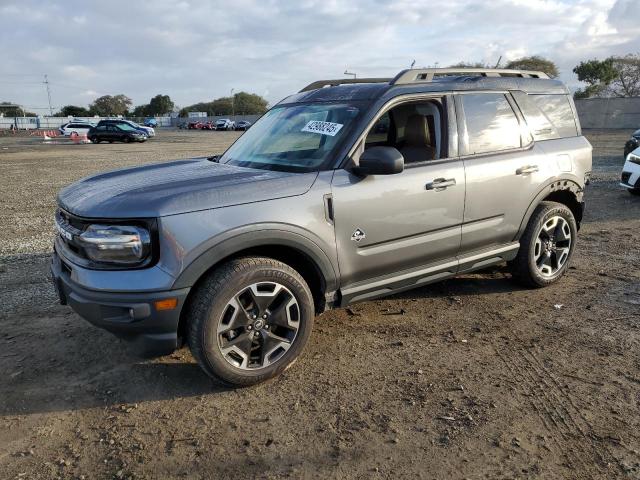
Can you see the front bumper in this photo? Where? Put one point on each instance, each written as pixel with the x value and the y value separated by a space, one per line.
pixel 129 315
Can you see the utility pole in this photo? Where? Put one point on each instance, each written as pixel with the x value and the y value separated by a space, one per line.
pixel 46 82
pixel 233 104
pixel 499 60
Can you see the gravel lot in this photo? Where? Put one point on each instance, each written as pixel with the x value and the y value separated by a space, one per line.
pixel 470 378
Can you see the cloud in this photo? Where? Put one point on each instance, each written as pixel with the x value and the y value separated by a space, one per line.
pixel 195 50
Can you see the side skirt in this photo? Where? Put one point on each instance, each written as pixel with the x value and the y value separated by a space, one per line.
pixel 414 278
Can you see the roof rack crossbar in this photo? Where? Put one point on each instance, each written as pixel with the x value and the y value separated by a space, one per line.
pixel 342 81
pixel 423 75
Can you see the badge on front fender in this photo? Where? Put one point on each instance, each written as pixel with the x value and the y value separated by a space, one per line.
pixel 358 235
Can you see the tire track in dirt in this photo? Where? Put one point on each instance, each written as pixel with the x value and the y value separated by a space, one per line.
pixel 558 413
pixel 577 418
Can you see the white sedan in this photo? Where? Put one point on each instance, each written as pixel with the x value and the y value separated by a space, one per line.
pixel 631 172
pixel 77 127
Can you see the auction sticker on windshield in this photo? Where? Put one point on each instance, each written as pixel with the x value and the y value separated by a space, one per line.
pixel 323 128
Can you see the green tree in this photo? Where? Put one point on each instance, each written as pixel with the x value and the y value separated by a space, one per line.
pixel 249 104
pixel 597 75
pixel 73 111
pixel 110 105
pixel 140 111
pixel 160 105
pixel 536 63
pixel 222 106
pixel 9 109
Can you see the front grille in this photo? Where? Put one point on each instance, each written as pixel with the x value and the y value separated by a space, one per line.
pixel 69 229
pixel 625 177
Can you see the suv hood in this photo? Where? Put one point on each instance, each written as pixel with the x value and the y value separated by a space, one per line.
pixel 176 187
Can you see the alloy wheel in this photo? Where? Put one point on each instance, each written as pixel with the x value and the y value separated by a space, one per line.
pixel 552 247
pixel 258 325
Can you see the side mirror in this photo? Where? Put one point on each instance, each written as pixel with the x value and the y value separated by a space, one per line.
pixel 380 161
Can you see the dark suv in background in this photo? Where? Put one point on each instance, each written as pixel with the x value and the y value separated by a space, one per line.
pixel 107 131
pixel 346 191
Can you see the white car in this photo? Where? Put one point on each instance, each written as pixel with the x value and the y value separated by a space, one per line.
pixel 225 124
pixel 148 130
pixel 75 127
pixel 631 172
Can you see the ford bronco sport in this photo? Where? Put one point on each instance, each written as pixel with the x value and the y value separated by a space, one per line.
pixel 345 191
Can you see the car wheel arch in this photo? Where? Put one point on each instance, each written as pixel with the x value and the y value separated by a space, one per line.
pixel 562 190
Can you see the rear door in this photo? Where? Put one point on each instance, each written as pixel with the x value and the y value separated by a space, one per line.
pixel 504 169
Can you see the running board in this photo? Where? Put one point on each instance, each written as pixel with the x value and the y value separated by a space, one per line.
pixel 407 280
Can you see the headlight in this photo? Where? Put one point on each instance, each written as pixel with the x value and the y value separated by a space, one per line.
pixel 633 158
pixel 117 244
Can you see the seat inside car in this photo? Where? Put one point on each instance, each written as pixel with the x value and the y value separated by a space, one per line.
pixel 417 146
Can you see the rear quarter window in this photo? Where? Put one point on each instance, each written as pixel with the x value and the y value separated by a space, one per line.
pixel 558 112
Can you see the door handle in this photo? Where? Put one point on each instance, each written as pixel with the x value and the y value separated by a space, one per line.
pixel 527 169
pixel 440 184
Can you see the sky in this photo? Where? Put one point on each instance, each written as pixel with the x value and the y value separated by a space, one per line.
pixel 200 50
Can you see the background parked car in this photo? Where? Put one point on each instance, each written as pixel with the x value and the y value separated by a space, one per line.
pixel 77 127
pixel 225 124
pixel 150 122
pixel 630 178
pixel 148 131
pixel 208 126
pixel 115 132
pixel 195 125
pixel 632 143
pixel 243 125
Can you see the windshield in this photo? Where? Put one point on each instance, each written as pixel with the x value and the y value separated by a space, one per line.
pixel 296 138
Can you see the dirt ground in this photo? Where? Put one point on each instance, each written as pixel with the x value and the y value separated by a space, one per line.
pixel 471 378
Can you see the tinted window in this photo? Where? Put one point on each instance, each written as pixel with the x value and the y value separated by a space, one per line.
pixel 491 123
pixel 558 111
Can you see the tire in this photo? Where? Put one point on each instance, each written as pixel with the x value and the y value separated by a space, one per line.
pixel 224 314
pixel 126 140
pixel 94 140
pixel 544 256
pixel 634 191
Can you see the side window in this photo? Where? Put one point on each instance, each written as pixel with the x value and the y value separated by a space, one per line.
pixel 492 125
pixel 558 111
pixel 538 123
pixel 379 134
pixel 101 128
pixel 417 129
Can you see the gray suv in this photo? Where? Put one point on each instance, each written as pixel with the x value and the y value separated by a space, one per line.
pixel 346 191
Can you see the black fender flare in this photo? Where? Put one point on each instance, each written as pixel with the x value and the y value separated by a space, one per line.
pixel 557 185
pixel 261 236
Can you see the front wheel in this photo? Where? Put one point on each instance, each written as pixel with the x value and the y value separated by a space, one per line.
pixel 546 246
pixel 249 320
pixel 634 191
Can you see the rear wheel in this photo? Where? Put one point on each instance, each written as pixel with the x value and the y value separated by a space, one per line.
pixel 250 320
pixel 546 246
pixel 94 140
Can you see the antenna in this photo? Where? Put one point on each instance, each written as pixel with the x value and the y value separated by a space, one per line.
pixel 413 63
pixel 499 60
pixel 46 82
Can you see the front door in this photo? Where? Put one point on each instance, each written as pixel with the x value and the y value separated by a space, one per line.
pixel 394 231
